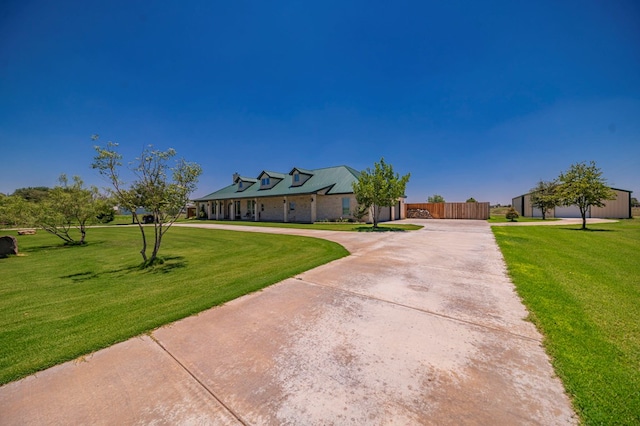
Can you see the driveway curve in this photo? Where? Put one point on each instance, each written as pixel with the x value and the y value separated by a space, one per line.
pixel 420 327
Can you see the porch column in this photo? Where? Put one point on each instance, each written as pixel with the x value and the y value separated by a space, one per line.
pixel 393 212
pixel 285 206
pixel 256 210
pixel 314 198
pixel 232 210
pixel 209 209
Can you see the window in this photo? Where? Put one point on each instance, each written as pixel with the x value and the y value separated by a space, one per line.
pixel 292 206
pixel 296 178
pixel 266 181
pixel 251 208
pixel 240 185
pixel 346 210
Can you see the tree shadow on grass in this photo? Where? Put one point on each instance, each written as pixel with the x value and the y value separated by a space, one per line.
pixel 588 230
pixel 61 246
pixel 379 229
pixel 169 265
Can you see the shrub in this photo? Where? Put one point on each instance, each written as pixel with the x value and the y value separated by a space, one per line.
pixel 512 215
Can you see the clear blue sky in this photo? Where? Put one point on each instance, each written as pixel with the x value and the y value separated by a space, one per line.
pixel 473 98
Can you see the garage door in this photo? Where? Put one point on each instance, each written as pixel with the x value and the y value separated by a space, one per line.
pixel 570 212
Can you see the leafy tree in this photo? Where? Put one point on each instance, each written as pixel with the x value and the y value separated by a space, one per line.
pixel 359 212
pixel 70 206
pixel 512 214
pixel 545 197
pixel 16 211
pixel 435 199
pixel 583 185
pixel 153 190
pixel 471 200
pixel 635 202
pixel 380 187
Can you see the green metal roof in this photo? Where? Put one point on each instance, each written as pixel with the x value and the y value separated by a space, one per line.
pixel 335 180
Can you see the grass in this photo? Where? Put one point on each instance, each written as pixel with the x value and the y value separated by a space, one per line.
pixel 322 226
pixel 583 291
pixel 501 219
pixel 58 303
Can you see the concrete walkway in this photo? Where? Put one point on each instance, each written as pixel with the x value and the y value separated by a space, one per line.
pixel 418 327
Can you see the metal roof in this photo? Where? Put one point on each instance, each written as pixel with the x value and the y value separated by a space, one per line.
pixel 333 180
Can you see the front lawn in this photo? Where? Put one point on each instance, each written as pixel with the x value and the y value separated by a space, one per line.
pixel 583 291
pixel 501 219
pixel 321 226
pixel 58 303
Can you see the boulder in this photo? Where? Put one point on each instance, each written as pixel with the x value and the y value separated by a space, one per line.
pixel 26 232
pixel 8 245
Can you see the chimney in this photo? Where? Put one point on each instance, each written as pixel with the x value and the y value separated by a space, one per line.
pixel 235 177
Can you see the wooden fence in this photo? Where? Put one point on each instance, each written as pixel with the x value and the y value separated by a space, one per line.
pixel 478 211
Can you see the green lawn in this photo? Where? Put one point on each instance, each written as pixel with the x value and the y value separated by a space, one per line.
pixel 497 218
pixel 322 226
pixel 58 303
pixel 583 291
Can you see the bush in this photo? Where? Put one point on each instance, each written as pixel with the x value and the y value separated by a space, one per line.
pixel 512 215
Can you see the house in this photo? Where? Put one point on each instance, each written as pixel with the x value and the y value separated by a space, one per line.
pixel 302 195
pixel 618 208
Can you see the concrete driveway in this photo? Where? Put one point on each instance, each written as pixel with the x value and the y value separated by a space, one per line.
pixel 418 327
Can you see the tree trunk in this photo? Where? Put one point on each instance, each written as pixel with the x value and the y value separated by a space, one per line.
pixel 83 233
pixel 375 216
pixel 143 251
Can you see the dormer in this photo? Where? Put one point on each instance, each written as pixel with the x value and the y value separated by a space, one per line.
pixel 269 179
pixel 299 176
pixel 243 182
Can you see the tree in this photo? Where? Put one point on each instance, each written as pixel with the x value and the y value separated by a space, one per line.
pixel 435 198
pixel 512 214
pixel 635 202
pixel 153 190
pixel 16 211
pixel 32 194
pixel 545 197
pixel 471 200
pixel 70 206
pixel 583 185
pixel 380 187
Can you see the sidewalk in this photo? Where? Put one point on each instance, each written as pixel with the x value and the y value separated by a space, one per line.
pixel 418 327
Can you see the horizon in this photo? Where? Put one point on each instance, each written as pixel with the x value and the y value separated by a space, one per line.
pixel 474 100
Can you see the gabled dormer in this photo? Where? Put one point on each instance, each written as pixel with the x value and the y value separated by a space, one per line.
pixel 270 179
pixel 242 182
pixel 299 176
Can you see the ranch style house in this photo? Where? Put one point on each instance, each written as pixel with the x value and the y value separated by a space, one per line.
pixel 302 195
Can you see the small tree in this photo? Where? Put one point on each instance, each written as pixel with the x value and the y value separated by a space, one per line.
pixel 635 202
pixel 153 190
pixel 359 212
pixel 70 206
pixel 435 198
pixel 545 197
pixel 380 187
pixel 16 211
pixel 583 185
pixel 512 214
pixel 471 200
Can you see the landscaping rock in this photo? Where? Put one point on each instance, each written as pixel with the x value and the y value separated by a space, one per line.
pixel 8 245
pixel 27 232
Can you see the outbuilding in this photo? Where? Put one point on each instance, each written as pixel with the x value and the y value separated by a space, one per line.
pixel 618 208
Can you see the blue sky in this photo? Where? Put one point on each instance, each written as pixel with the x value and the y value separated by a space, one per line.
pixel 475 99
